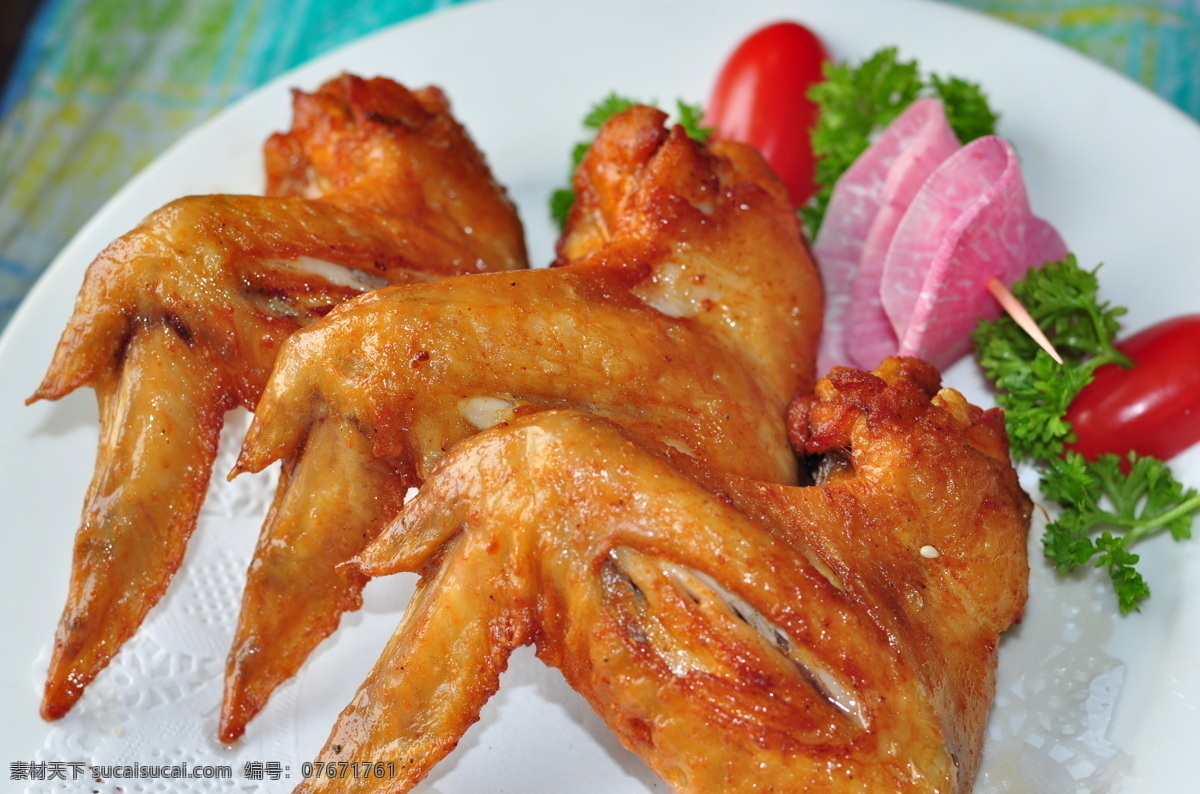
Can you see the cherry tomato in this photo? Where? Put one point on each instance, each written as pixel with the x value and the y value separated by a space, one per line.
pixel 1153 408
pixel 760 98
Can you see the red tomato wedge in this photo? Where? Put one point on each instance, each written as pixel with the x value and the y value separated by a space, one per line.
pixel 1152 408
pixel 761 98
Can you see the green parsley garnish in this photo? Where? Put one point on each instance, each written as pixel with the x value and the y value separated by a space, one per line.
pixel 1107 505
pixel 1034 390
pixel 857 102
pixel 1098 499
pixel 689 117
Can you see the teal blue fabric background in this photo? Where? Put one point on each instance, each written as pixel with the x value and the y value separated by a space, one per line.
pixel 1156 42
pixel 103 86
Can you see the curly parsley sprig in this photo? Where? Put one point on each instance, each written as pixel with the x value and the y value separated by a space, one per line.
pixel 856 102
pixel 1107 505
pixel 1098 498
pixel 688 116
pixel 1034 390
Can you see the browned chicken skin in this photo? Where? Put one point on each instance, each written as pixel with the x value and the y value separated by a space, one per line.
pixel 632 505
pixel 739 636
pixel 684 300
pixel 685 308
pixel 181 319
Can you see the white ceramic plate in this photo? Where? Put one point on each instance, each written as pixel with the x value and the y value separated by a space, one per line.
pixel 1113 167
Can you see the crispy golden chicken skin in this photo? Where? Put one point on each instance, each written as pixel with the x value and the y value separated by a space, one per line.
pixel 710 222
pixel 685 308
pixel 182 318
pixel 739 636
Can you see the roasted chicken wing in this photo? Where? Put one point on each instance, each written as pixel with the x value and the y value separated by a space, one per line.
pixel 738 635
pixel 684 308
pixel 181 320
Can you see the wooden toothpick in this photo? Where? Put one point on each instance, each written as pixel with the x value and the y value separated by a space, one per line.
pixel 1015 310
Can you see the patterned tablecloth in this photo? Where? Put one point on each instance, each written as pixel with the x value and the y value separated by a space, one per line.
pixel 103 86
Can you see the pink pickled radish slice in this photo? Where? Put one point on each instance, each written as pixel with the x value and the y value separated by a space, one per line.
pixel 970 222
pixel 872 337
pixel 879 181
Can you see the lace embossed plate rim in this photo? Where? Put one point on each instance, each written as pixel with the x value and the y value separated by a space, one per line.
pixel 1107 162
